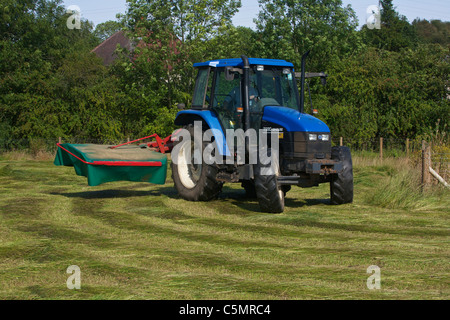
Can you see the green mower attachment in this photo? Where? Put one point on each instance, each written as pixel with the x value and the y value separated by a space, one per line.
pixel 103 163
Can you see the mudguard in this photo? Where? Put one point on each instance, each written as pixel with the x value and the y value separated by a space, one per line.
pixel 185 117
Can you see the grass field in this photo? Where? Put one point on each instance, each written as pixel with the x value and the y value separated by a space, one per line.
pixel 141 241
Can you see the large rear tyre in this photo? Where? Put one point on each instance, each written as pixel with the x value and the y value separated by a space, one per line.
pixel 268 191
pixel 341 185
pixel 193 178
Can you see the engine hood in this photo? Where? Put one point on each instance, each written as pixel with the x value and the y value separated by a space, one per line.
pixel 293 120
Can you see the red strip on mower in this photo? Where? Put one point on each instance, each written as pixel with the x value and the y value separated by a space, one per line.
pixel 116 163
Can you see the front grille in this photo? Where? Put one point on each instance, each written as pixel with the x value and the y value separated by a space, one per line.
pixel 297 146
pixel 320 155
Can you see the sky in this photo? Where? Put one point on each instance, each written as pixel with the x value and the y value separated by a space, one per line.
pixel 99 11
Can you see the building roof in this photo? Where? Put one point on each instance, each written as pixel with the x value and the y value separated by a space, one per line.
pixel 106 49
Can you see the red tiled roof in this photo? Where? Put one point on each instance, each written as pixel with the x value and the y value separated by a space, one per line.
pixel 106 49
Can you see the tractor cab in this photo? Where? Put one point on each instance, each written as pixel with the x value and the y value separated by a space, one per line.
pixel 220 87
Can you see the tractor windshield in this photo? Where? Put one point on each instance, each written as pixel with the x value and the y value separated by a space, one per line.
pixel 269 86
pixel 274 87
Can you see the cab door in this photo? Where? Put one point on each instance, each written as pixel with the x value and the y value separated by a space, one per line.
pixel 226 96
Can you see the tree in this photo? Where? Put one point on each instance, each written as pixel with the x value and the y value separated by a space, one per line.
pixel 192 22
pixel 288 28
pixel 35 44
pixel 106 29
pixel 232 42
pixel 171 35
pixel 381 93
pixel 395 32
pixel 187 19
pixel 434 31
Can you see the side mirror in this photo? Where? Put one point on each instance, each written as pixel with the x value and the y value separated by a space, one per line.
pixel 181 106
pixel 229 75
pixel 323 80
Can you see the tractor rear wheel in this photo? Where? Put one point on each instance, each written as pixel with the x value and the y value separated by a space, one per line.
pixel 268 191
pixel 193 178
pixel 341 185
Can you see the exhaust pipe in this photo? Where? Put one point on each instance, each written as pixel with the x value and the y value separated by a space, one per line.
pixel 245 92
pixel 245 102
pixel 302 82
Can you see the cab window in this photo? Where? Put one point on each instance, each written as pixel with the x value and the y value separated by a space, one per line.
pixel 200 88
pixel 227 99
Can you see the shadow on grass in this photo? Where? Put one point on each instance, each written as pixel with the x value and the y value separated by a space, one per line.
pixel 238 198
pixel 234 196
pixel 119 193
pixel 289 203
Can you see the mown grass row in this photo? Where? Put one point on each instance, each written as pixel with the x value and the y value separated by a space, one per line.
pixel 140 241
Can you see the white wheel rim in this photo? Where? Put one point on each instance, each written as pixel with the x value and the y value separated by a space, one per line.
pixel 188 171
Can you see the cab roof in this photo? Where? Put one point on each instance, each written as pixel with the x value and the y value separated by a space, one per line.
pixel 237 62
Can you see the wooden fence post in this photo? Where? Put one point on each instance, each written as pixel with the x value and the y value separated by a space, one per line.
pixel 381 148
pixel 407 147
pixel 423 164
pixel 341 141
pixel 426 163
pixel 59 140
pixel 439 178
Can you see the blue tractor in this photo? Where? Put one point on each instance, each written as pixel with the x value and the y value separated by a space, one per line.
pixel 260 94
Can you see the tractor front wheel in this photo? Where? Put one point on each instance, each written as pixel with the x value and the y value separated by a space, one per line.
pixel 268 191
pixel 341 185
pixel 193 179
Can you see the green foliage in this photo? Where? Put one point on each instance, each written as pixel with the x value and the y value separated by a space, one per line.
pixel 386 94
pixel 188 20
pixel 232 42
pixel 287 29
pixel 106 29
pixel 434 31
pixel 180 30
pixel 35 45
pixel 395 33
pixel 170 36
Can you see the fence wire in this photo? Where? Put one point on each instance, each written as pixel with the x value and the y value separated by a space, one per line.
pixel 390 146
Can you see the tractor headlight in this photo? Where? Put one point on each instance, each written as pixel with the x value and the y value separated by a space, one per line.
pixel 312 137
pixel 324 137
